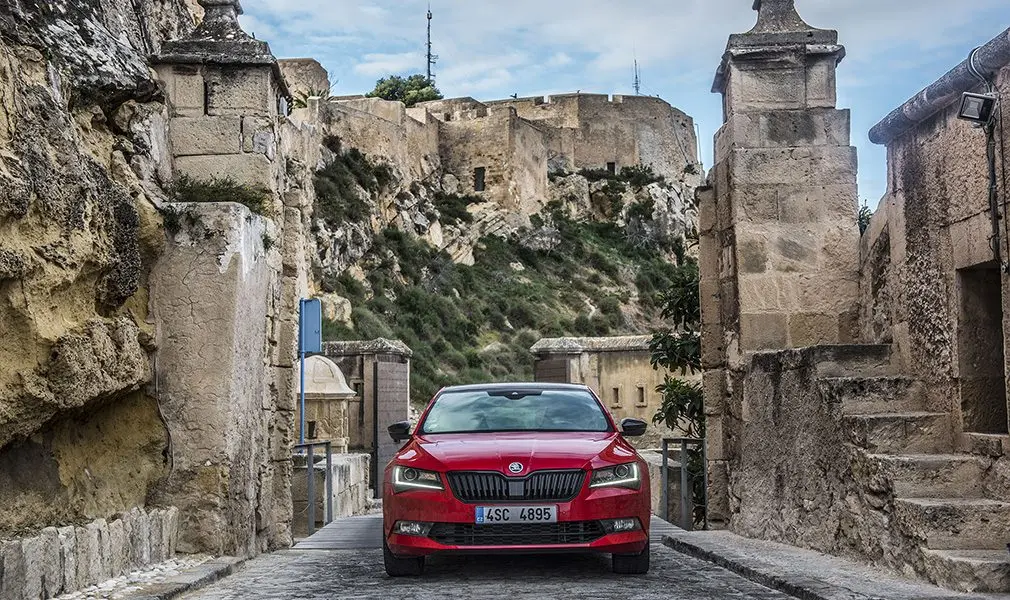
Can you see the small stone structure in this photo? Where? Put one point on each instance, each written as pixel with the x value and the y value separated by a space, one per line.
pixel 352 491
pixel 379 373
pixel 619 369
pixel 326 400
pixel 855 392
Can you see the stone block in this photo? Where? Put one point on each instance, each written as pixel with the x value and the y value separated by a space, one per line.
pixel 12 571
pixel 247 169
pixel 245 91
pixel 140 540
pixel 713 384
pixel 763 331
pixel 89 560
pixel 184 86
pixel 154 519
pixel 258 136
pixel 828 165
pixel 713 350
pixel 812 330
pixel 172 527
pixel 715 444
pixel 708 292
pixel 970 241
pixel 117 543
pixel 52 563
pixel 705 200
pixel 68 558
pixel 753 256
pixel 195 136
pixel 718 492
pixel 797 250
pixel 32 551
pixel 709 251
pixel 768 85
pixel 821 87
pixel 818 204
pixel 755 203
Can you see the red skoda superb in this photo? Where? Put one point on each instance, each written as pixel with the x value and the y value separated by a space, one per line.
pixel 516 468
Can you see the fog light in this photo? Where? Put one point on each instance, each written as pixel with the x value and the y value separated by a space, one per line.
pixel 620 525
pixel 414 528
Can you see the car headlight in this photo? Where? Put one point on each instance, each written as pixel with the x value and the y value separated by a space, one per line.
pixel 627 476
pixel 409 478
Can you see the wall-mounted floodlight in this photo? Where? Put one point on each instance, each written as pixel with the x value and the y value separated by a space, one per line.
pixel 977 108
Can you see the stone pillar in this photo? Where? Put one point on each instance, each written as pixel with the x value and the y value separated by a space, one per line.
pixel 225 293
pixel 779 240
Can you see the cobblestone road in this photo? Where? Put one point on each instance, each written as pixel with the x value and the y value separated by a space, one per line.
pixel 325 574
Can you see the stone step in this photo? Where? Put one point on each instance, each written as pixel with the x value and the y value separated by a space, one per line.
pixel 924 475
pixel 985 444
pixel 977 571
pixel 900 433
pixel 872 395
pixel 955 523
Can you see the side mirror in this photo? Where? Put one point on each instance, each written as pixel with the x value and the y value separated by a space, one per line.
pixel 399 431
pixel 633 427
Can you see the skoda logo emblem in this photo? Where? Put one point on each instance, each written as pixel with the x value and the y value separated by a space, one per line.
pixel 516 467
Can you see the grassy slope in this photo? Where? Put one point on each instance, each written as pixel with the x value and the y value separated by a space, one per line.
pixel 476 323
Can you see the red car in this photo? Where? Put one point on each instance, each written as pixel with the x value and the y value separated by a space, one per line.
pixel 524 468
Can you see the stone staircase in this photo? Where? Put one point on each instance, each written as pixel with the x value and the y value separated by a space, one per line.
pixel 939 506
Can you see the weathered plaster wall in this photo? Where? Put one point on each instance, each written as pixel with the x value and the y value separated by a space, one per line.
pixel 926 242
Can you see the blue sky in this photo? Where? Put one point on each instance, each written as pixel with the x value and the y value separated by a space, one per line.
pixel 492 49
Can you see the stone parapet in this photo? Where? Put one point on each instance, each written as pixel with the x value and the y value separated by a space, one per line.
pixel 67 559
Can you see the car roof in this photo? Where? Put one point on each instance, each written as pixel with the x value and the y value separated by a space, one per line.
pixel 491 387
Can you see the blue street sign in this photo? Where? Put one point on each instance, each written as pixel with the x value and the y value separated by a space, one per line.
pixel 311 327
pixel 310 341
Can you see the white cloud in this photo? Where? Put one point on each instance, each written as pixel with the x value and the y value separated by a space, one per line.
pixel 379 65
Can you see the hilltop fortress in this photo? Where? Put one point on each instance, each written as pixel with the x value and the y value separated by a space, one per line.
pixel 503 150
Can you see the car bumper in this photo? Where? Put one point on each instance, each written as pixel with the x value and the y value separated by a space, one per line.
pixel 443 507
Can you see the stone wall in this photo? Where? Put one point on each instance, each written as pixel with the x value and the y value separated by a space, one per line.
pixel 928 270
pixel 352 493
pixel 481 141
pixel 587 131
pixel 67 559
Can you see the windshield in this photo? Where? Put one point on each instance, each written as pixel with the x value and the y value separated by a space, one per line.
pixel 515 410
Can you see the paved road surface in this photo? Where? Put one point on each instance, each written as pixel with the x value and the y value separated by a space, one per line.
pixel 355 571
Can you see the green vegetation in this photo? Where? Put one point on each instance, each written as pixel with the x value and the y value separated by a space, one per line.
pixel 452 207
pixel 863 219
pixel 678 348
pixel 190 189
pixel 409 90
pixel 337 199
pixel 301 98
pixel 477 323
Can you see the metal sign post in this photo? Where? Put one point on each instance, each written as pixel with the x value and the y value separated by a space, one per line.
pixel 310 341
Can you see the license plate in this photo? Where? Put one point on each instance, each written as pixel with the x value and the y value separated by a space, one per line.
pixel 487 515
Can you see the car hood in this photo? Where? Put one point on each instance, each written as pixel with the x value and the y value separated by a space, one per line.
pixel 534 451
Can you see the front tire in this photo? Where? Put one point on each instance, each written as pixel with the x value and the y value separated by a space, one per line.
pixel 631 564
pixel 401 567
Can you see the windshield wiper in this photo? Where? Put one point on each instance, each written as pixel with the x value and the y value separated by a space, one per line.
pixel 514 394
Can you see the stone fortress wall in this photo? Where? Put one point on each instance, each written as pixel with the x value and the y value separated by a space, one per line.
pixel 516 142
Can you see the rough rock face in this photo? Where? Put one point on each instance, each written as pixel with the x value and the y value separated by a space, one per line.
pixel 81 157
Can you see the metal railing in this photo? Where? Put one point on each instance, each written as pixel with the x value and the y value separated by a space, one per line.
pixel 687 480
pixel 310 473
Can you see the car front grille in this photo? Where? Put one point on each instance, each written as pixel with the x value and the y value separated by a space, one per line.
pixel 524 534
pixel 542 486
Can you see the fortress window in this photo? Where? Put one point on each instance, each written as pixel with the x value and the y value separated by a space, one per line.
pixel 615 397
pixel 612 168
pixel 478 179
pixel 641 396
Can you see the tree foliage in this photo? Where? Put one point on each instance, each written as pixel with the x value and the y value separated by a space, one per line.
pixel 677 348
pixel 409 90
pixel 865 214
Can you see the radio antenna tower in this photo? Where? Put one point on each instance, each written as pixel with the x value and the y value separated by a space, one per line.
pixel 432 58
pixel 638 80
